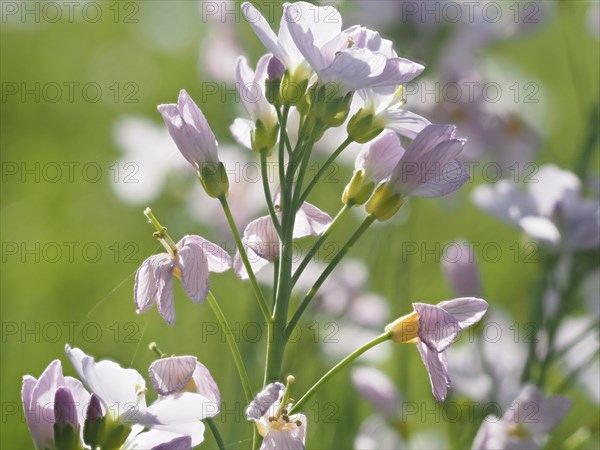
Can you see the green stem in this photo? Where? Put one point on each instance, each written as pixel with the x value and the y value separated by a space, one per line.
pixel 338 257
pixel 235 351
pixel 325 166
pixel 213 428
pixel 238 241
pixel 267 189
pixel 317 245
pixel 283 136
pixel 306 152
pixel 339 366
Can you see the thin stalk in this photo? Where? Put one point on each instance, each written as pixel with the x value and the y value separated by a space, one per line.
pixel 265 182
pixel 332 265
pixel 235 351
pixel 317 245
pixel 282 117
pixel 325 166
pixel 275 280
pixel 238 241
pixel 282 140
pixel 306 152
pixel 213 428
pixel 339 366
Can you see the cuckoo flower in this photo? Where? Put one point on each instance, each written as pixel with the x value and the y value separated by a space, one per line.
pixel 428 168
pixel 52 399
pixel 191 260
pixel 277 428
pixel 261 241
pixel 529 418
pixel 261 131
pixel 196 142
pixel 183 374
pixel 377 389
pixel 122 393
pixel 551 210
pixel 434 329
pixel 458 264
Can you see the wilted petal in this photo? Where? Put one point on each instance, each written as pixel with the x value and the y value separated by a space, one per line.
pixel 466 311
pixel 147 281
pixel 218 259
pixel 310 221
pixel 437 328
pixel 170 375
pixel 263 401
pixel 437 368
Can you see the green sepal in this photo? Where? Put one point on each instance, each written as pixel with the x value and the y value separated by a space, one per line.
pixel 66 437
pixel 384 203
pixel 93 431
pixel 214 179
pixel 292 89
pixel 263 138
pixel 357 192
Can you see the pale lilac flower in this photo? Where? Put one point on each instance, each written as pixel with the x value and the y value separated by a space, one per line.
pixel 377 388
pixel 375 433
pixel 278 430
pixel 551 206
pixel 190 131
pixel 261 242
pixel 122 394
pixel 38 397
pixel 191 261
pixel 458 264
pixel 524 425
pixel 264 124
pixel 434 329
pixel 490 369
pixel 183 374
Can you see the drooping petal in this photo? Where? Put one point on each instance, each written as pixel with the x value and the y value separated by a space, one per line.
pixel 437 328
pixel 437 368
pixel 206 384
pixel 261 243
pixel 466 311
pixel 310 221
pixel 147 281
pixel 170 375
pixel 194 270
pixel 218 259
pixel 263 401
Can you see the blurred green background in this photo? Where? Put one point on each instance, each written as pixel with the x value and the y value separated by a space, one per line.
pixel 140 54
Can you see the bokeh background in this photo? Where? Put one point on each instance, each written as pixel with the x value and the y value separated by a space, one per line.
pixel 84 150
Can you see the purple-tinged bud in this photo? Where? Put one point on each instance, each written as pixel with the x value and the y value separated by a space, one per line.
pixel 275 69
pixel 94 409
pixel 461 271
pixel 65 412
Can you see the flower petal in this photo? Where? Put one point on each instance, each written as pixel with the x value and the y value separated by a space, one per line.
pixel 379 158
pixel 261 236
pixel 194 271
pixel 170 375
pixel 404 122
pixel 262 29
pixel 437 328
pixel 179 409
pixel 218 259
pixel 452 176
pixel 206 384
pixel 466 310
pixel 310 221
pixel 505 201
pixel 147 277
pixel 437 368
pixel 241 130
pixel 263 401
pixel 541 229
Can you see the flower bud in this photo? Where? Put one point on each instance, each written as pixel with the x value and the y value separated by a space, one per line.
pixel 94 423
pixel 264 138
pixel 66 427
pixel 275 72
pixel 363 127
pixel 328 106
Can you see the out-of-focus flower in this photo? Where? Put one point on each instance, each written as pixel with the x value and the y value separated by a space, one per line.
pixel 428 168
pixel 376 387
pixel 577 343
pixel 278 430
pixel 122 394
pixel 261 242
pixel 458 264
pixel 261 131
pixel 39 397
pixel 147 160
pixel 191 260
pixel 490 369
pixel 434 329
pixel 529 418
pixel 196 142
pixel 176 374
pixel 550 207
